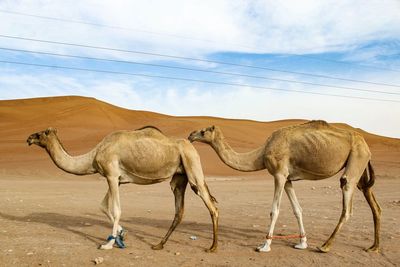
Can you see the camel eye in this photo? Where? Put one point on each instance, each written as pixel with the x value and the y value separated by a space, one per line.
pixel 202 132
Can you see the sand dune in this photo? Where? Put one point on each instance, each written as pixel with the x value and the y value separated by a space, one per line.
pixel 82 122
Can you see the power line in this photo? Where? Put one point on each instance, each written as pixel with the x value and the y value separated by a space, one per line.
pixel 193 80
pixel 113 27
pixel 101 25
pixel 197 70
pixel 182 37
pixel 66 20
pixel 195 59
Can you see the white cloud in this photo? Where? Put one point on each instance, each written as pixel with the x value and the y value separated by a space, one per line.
pixel 197 28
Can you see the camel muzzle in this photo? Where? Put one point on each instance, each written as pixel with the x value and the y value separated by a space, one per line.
pixel 30 140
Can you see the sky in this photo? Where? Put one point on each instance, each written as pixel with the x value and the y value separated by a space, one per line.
pixel 335 60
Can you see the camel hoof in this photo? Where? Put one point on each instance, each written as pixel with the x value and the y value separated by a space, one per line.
pixel 301 246
pixel 372 249
pixel 323 249
pixel 158 246
pixel 105 247
pixel 264 247
pixel 212 249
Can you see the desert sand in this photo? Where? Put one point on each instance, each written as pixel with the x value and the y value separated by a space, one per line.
pixel 51 218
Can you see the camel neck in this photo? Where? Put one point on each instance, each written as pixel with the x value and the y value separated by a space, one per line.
pixel 247 162
pixel 79 165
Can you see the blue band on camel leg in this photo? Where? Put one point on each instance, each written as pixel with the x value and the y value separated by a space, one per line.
pixel 119 242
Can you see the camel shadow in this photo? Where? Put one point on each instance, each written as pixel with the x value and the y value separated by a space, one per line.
pixel 74 224
pixel 189 228
pixel 61 221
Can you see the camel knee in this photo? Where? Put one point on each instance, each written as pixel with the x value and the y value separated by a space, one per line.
pixel 117 213
pixel 346 215
pixel 214 211
pixel 179 216
pixel 274 214
pixel 378 210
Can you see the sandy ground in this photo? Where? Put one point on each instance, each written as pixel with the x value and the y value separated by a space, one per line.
pixel 57 222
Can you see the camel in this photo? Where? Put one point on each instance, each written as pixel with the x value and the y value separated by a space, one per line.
pixel 311 151
pixel 143 156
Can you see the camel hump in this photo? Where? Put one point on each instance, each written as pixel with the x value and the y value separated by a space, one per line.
pixel 149 127
pixel 317 123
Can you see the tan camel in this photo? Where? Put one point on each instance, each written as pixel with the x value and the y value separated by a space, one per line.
pixel 144 156
pixel 311 151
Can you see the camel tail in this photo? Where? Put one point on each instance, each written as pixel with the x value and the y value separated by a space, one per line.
pixel 368 177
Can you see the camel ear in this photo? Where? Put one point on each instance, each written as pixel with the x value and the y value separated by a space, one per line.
pixel 213 128
pixel 49 130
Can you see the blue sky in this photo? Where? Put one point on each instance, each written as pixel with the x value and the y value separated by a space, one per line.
pixel 357 40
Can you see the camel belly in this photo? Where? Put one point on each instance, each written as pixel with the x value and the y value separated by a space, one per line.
pixel 135 179
pixel 301 174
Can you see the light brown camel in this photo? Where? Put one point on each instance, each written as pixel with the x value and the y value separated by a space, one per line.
pixel 144 156
pixel 311 151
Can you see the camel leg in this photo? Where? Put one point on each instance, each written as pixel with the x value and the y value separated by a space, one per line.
pixel 351 206
pixel 298 212
pixel 204 193
pixel 192 165
pixel 105 208
pixel 114 203
pixel 279 181
pixel 347 190
pixel 373 204
pixel 356 165
pixel 178 187
pixel 376 213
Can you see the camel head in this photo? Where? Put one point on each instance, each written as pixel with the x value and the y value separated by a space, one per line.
pixel 41 138
pixel 205 135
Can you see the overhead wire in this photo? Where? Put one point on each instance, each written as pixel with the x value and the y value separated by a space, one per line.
pixel 104 25
pixel 196 70
pixel 196 59
pixel 193 80
pixel 183 37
